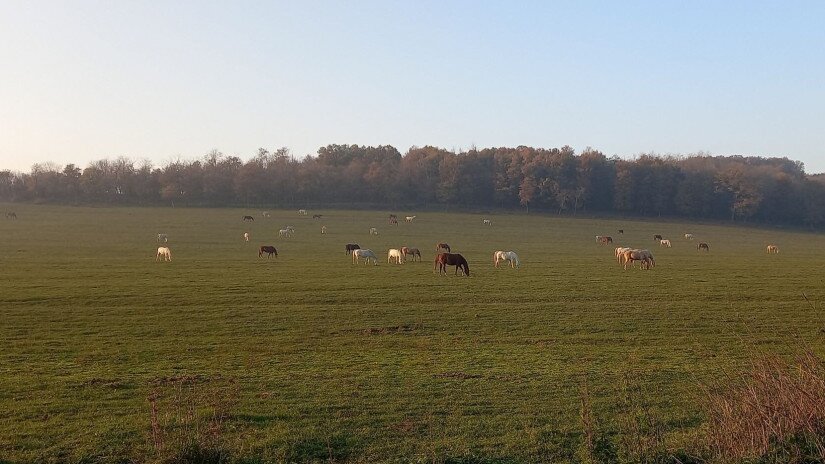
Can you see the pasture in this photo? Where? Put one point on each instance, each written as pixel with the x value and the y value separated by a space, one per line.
pixel 309 357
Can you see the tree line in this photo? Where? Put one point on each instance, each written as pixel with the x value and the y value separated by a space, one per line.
pixel 739 188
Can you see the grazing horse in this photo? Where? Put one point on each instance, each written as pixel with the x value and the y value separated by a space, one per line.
pixel 269 250
pixel 409 218
pixel 285 233
pixel 323 229
pixel 395 254
pixel 665 243
pixel 11 215
pixel 645 258
pixel 302 212
pixel 248 218
pixel 413 252
pixel 393 221
pixel 317 216
pixel 366 254
pixel 351 247
pixel 621 231
pixel 442 260
pixel 246 236
pixel 487 222
pixel 689 236
pixel 702 246
pixel 266 214
pixel 657 238
pixel 164 253
pixel 442 246
pixel 773 249
pixel 604 239
pixel 511 256
pixel 373 231
pixel 163 238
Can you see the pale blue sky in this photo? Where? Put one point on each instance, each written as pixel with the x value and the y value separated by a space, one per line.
pixel 84 80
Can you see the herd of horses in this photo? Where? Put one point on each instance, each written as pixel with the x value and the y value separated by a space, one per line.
pixel 626 257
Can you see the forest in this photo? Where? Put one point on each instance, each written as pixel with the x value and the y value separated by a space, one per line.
pixel 557 180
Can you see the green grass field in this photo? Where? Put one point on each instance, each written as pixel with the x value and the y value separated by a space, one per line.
pixel 313 358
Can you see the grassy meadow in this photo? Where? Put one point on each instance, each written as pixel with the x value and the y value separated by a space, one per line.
pixel 108 355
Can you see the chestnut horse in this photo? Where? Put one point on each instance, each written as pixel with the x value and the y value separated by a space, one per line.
pixel 442 260
pixel 442 246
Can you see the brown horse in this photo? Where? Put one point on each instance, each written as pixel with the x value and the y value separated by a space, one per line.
pixel 657 238
pixel 703 246
pixel 317 216
pixel 248 218
pixel 442 246
pixel 269 250
pixel 442 260
pixel 352 247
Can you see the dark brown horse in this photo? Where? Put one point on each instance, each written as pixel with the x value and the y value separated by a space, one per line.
pixel 248 218
pixel 352 247
pixel 317 216
pixel 442 246
pixel 269 250
pixel 11 215
pixel 703 246
pixel 442 260
pixel 657 238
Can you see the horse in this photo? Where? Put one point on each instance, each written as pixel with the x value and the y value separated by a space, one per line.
pixel 11 215
pixel 511 256
pixel 373 231
pixel 246 236
pixel 163 238
pixel 323 229
pixel 619 251
pixel 773 249
pixel 269 250
pixel 248 218
pixel 414 252
pixel 164 253
pixel 604 239
pixel 393 216
pixel 317 216
pixel 487 222
pixel 409 218
pixel 621 231
pixel 442 246
pixel 442 260
pixel 702 246
pixel 266 214
pixel 645 258
pixel 366 254
pixel 657 238
pixel 393 221
pixel 689 236
pixel 284 233
pixel 302 212
pixel 395 254
pixel 665 243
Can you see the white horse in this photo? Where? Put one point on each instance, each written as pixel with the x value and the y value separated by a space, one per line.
pixel 511 256
pixel 163 238
pixel 689 236
pixel 284 233
pixel 409 218
pixel 366 254
pixel 164 253
pixel 246 236
pixel 302 212
pixel 487 222
pixel 373 231
pixel 773 249
pixel 266 214
pixel 323 229
pixel 396 254
pixel 665 243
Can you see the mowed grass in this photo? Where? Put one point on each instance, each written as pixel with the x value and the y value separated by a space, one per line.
pixel 378 363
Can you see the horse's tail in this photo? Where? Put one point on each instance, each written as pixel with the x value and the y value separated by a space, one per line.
pixel 466 268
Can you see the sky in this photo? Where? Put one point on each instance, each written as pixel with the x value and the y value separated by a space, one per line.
pixel 166 80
